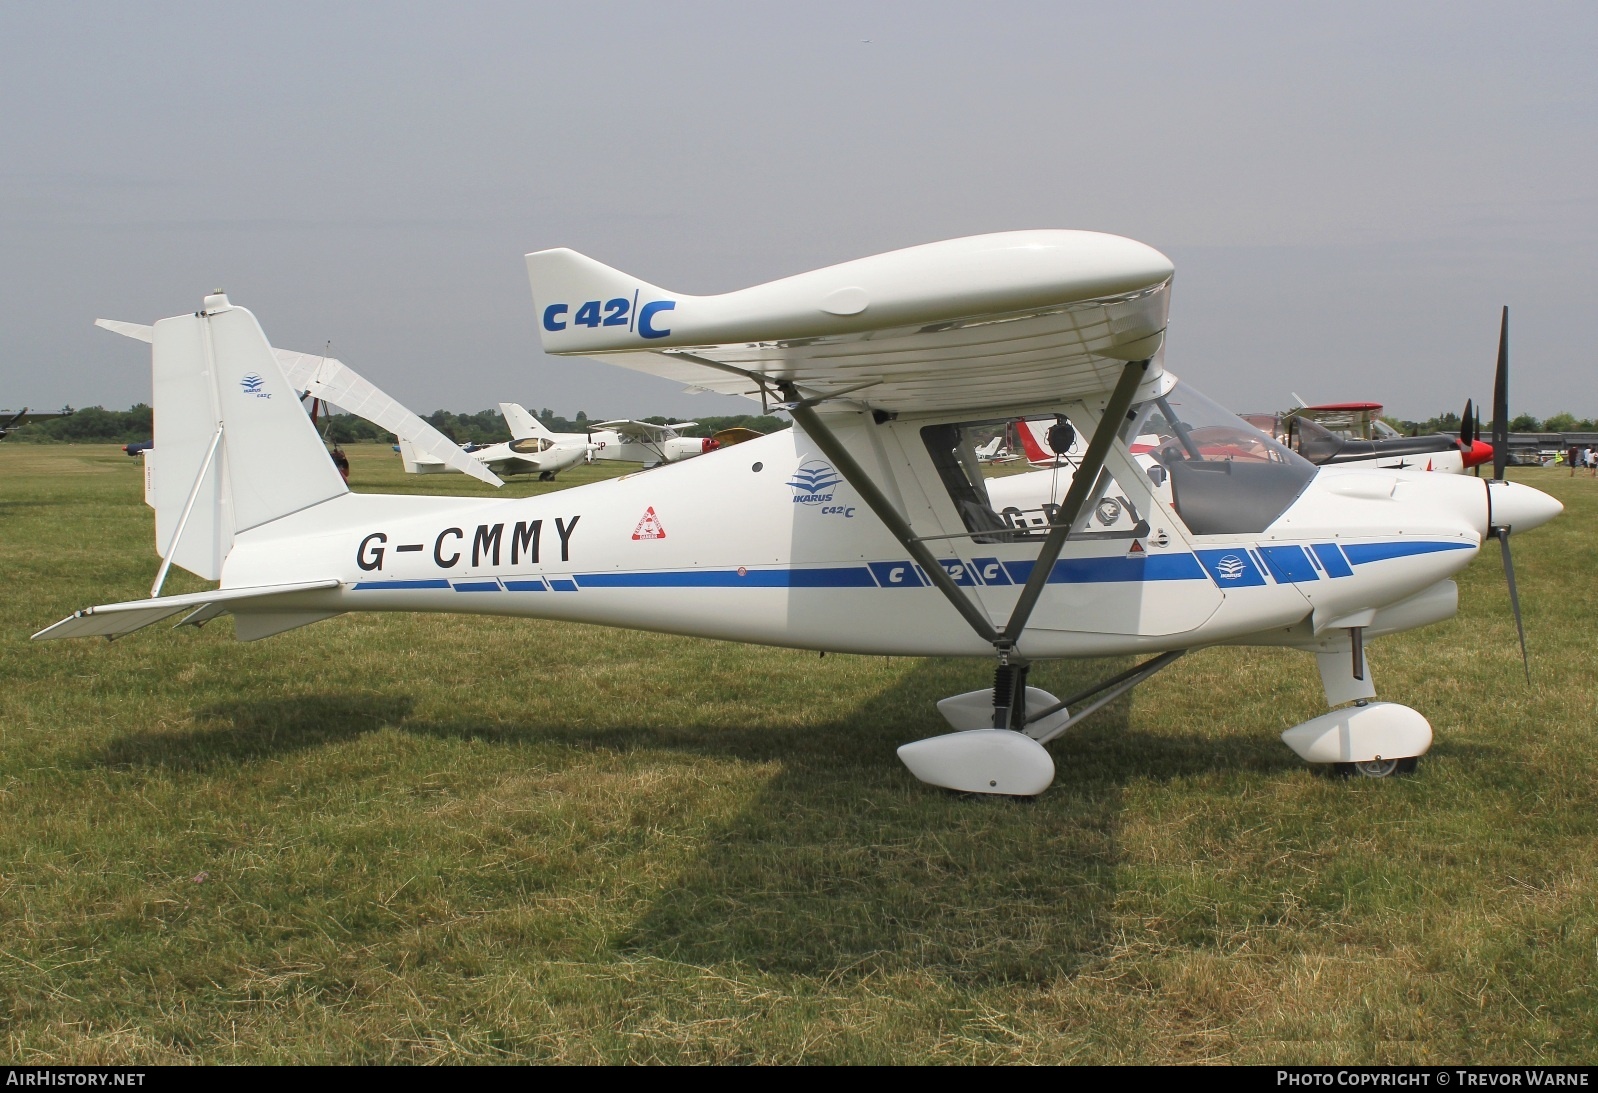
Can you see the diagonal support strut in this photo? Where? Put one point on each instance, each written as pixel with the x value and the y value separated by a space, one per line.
pixel 1083 482
pixel 804 413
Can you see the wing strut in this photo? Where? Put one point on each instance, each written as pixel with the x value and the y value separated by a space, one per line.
pixel 803 412
pixel 1082 486
pixel 1083 483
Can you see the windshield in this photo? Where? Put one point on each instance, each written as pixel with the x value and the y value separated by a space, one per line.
pixel 1185 425
pixel 1224 475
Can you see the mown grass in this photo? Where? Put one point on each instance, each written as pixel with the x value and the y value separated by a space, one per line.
pixel 434 838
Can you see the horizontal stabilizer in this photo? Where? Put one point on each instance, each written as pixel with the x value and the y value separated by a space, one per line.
pixel 137 331
pixel 334 381
pixel 112 620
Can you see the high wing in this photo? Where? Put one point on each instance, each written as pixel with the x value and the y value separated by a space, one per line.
pixel 334 381
pixel 644 432
pixel 988 321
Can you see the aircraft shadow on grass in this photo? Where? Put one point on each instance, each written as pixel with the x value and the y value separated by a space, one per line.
pixel 842 865
pixel 229 732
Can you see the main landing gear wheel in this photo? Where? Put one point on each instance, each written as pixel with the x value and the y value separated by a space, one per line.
pixel 547 476
pixel 1377 768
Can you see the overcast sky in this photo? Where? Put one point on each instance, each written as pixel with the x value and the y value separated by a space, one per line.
pixel 1349 191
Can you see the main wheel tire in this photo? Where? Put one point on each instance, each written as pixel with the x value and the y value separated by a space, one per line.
pixel 547 476
pixel 1376 768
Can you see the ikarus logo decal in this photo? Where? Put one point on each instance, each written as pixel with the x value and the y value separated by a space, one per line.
pixel 814 485
pixel 253 384
pixel 1230 567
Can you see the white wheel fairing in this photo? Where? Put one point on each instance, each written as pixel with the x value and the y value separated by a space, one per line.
pixel 1378 731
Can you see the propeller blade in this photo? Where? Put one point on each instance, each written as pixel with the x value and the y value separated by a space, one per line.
pixel 1514 598
pixel 1501 403
pixel 1467 426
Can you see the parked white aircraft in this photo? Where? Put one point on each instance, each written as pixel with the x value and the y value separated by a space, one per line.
pixel 994 451
pixel 651 445
pixel 869 527
pixel 10 420
pixel 532 449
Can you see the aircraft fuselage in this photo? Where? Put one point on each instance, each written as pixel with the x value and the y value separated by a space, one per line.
pixel 766 543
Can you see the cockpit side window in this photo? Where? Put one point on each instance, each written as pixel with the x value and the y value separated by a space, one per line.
pixel 1008 498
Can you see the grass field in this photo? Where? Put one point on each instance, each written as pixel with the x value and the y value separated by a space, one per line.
pixel 437 838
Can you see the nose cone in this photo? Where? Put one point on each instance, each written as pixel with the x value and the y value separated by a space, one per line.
pixel 1519 507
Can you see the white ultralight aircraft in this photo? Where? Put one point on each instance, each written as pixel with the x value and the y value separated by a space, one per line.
pixel 868 528
pixel 534 449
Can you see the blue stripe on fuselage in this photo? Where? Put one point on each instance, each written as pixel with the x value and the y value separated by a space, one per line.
pixel 1289 564
pixel 1159 567
pixel 847 577
pixel 1361 553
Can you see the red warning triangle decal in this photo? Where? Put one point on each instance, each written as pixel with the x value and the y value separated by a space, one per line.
pixel 649 527
pixel 1136 549
pixel 1428 464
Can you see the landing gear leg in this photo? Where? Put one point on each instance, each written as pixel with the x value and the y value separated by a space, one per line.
pixel 989 752
pixel 995 746
pixel 1368 739
pixel 1009 695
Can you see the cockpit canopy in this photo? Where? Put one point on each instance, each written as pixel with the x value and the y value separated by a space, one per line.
pixel 1220 475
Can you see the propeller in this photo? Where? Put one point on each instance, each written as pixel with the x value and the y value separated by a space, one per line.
pixel 1501 403
pixel 1467 426
pixel 1500 462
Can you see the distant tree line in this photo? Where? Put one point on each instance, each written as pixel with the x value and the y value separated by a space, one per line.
pixel 90 425
pixel 97 425
pixel 1524 423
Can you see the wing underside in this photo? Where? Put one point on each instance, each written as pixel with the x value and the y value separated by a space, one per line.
pixel 958 365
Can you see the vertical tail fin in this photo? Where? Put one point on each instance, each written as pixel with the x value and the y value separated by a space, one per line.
pixel 408 456
pixel 237 449
pixel 1030 444
pixel 523 424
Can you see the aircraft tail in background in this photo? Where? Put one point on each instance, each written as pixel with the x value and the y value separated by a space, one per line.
pixel 523 425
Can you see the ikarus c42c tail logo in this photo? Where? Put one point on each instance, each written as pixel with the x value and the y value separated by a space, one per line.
pixel 814 484
pixel 253 384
